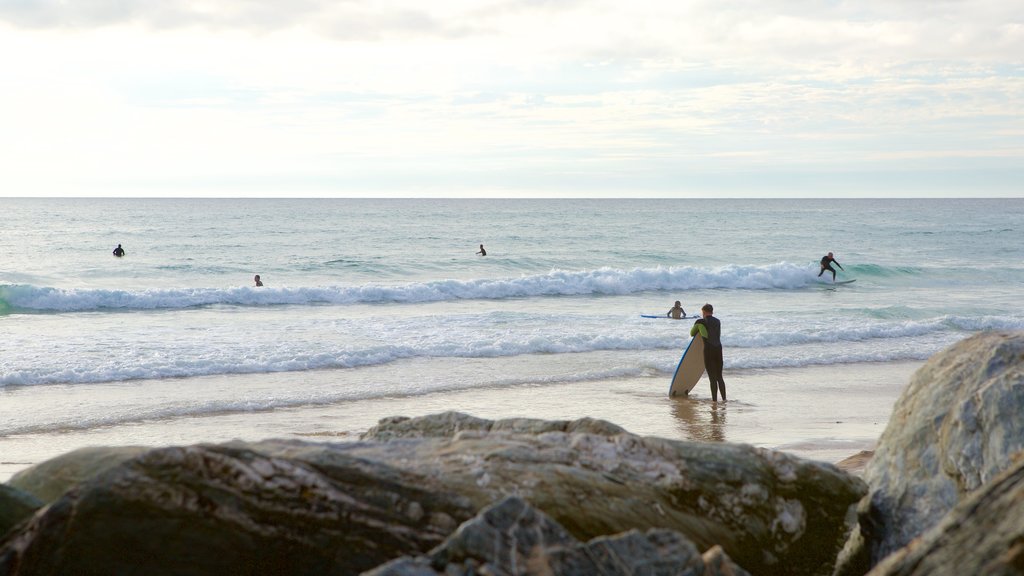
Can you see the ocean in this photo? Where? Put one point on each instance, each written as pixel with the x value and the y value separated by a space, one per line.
pixel 377 305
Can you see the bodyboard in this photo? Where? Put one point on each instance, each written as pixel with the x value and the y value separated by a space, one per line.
pixel 690 368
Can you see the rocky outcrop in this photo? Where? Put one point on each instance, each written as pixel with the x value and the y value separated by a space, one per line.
pixel 515 539
pixel 981 535
pixel 15 507
pixel 225 510
pixel 771 512
pixel 956 426
pixel 49 480
pixel 312 508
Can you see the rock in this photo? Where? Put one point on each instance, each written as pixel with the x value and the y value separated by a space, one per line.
pixel 855 464
pixel 15 506
pixel 956 426
pixel 513 538
pixel 853 559
pixel 773 513
pixel 983 534
pixel 49 480
pixel 448 424
pixel 316 508
pixel 718 563
pixel 225 510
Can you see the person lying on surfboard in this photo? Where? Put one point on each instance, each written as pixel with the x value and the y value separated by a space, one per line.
pixel 677 311
pixel 826 264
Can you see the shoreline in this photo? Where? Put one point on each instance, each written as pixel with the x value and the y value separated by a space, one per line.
pixel 826 413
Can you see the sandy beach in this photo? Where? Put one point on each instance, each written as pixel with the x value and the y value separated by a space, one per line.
pixel 826 413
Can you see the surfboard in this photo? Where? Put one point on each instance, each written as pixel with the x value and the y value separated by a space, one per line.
pixel 846 281
pixel 655 316
pixel 690 368
pixel 827 284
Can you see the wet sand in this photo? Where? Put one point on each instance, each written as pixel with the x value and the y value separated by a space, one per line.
pixel 828 413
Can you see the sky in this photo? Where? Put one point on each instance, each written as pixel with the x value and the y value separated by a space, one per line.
pixel 512 98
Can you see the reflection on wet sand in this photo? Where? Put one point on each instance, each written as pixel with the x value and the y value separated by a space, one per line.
pixel 701 420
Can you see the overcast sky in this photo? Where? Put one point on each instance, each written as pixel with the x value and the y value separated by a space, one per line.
pixel 512 98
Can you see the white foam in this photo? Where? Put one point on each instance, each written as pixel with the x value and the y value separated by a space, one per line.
pixel 602 281
pixel 359 343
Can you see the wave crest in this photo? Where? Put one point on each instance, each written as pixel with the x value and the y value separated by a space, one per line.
pixel 602 281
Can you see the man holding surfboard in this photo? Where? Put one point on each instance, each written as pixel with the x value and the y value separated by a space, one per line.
pixel 710 330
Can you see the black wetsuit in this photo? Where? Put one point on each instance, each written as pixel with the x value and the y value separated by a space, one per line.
pixel 713 361
pixel 826 264
pixel 118 251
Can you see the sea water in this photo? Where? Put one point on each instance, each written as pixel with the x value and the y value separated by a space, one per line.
pixel 368 298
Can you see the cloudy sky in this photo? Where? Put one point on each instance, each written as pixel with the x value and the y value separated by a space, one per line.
pixel 512 98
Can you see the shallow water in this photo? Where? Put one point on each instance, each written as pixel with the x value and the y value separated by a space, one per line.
pixel 369 301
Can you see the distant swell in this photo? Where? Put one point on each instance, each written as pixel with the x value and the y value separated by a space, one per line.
pixel 603 281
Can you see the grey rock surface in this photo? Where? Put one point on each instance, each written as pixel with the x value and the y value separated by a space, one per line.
pixel 222 510
pixel 316 508
pixel 771 512
pixel 956 426
pixel 514 539
pixel 984 534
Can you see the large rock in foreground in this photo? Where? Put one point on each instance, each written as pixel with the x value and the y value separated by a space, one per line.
pixel 217 510
pixel 771 512
pixel 49 480
pixel 984 534
pixel 15 507
pixel 956 426
pixel 303 508
pixel 513 538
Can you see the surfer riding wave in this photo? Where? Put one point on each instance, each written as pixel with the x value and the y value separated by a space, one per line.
pixel 826 264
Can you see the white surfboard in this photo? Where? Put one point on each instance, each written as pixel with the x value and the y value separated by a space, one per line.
pixel 690 368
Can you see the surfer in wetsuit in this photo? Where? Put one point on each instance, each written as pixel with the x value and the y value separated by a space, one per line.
pixel 826 264
pixel 710 329
pixel 118 251
pixel 482 252
pixel 258 281
pixel 677 311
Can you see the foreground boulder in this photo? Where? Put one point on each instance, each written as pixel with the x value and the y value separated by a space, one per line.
pixel 220 510
pixel 297 507
pixel 513 538
pixel 771 512
pixel 50 479
pixel 981 535
pixel 15 506
pixel 956 426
